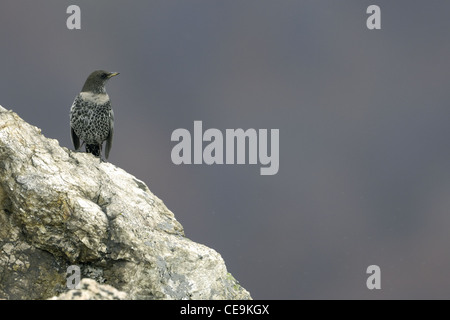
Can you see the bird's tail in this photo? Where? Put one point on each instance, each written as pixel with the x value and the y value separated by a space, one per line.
pixel 94 149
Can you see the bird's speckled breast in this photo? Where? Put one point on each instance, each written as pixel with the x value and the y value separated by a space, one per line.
pixel 90 117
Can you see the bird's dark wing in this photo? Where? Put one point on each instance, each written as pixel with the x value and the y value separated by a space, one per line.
pixel 75 139
pixel 110 135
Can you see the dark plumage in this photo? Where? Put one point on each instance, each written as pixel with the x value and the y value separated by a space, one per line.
pixel 91 115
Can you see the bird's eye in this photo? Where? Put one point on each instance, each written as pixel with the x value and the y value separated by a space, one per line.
pixel 104 75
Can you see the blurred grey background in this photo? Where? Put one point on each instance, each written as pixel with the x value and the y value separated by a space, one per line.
pixel 364 120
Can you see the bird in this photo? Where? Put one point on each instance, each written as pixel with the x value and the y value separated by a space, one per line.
pixel 91 115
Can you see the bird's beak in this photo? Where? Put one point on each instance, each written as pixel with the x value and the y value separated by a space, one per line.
pixel 113 74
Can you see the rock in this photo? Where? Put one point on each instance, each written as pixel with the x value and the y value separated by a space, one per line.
pixel 91 290
pixel 60 208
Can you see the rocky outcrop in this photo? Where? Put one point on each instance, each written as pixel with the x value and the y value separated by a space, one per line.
pixel 60 208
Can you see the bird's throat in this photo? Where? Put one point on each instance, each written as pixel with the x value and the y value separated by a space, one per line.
pixel 96 98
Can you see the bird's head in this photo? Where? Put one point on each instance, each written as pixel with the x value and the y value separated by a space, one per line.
pixel 97 80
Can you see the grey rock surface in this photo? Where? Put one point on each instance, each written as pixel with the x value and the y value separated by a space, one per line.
pixel 91 290
pixel 60 208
